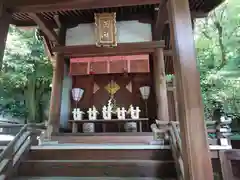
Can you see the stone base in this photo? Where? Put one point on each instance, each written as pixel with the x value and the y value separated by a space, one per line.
pixel 130 127
pixel 88 128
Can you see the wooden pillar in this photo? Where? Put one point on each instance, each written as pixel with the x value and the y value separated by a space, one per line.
pixel 196 155
pixel 56 95
pixel 175 99
pixel 160 85
pixel 5 20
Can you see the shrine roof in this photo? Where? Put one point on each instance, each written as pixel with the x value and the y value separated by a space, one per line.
pixel 82 11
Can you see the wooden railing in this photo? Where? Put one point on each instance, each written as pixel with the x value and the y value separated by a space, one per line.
pixel 219 134
pixel 15 151
pixel 169 132
pixel 176 146
pixel 226 158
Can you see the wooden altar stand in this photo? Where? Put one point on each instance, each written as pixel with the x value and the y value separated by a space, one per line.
pixel 103 121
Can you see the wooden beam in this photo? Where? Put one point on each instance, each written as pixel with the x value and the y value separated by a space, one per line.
pixel 1 9
pixel 143 17
pixel 48 50
pixel 45 27
pixel 47 47
pixel 121 49
pixel 55 5
pixel 5 20
pixel 160 85
pixel 162 18
pixel 57 20
pixel 199 14
pixel 196 154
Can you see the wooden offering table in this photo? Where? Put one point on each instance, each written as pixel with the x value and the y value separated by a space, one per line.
pixel 103 121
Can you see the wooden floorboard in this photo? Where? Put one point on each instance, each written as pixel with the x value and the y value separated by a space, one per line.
pixel 88 178
pixel 122 138
pixel 104 140
pixel 106 134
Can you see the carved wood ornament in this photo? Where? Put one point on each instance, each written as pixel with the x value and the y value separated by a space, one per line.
pixel 106 31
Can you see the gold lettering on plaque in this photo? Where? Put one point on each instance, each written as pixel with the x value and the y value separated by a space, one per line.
pixel 105 29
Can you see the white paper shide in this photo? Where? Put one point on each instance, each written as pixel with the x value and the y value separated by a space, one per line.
pixel 77 114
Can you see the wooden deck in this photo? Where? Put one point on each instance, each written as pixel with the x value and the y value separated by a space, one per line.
pixel 88 178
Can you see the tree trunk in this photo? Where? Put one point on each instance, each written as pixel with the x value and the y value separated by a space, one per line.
pixel 31 98
pixel 221 45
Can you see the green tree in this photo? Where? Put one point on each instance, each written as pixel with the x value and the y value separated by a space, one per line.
pixel 26 76
pixel 218 53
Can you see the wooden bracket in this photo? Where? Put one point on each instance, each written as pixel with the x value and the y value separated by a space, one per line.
pixel 162 19
pixel 57 20
pixel 46 27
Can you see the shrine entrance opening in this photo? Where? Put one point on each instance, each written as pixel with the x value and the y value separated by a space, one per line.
pixel 125 81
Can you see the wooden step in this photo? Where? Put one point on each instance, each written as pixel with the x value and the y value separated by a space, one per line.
pixel 87 178
pixel 100 154
pixel 98 168
pixel 104 138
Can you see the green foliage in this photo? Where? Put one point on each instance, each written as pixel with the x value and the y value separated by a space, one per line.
pixel 26 76
pixel 218 53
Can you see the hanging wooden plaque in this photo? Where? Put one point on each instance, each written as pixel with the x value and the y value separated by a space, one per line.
pixel 106 29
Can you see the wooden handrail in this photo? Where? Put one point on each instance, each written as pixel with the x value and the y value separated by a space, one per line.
pixel 9 148
pixel 208 123
pixel 14 152
pixel 176 146
pixel 177 135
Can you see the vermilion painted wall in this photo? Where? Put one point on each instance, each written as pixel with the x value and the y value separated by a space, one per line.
pixel 110 64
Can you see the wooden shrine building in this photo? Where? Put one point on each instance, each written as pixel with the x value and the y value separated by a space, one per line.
pixel 110 49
